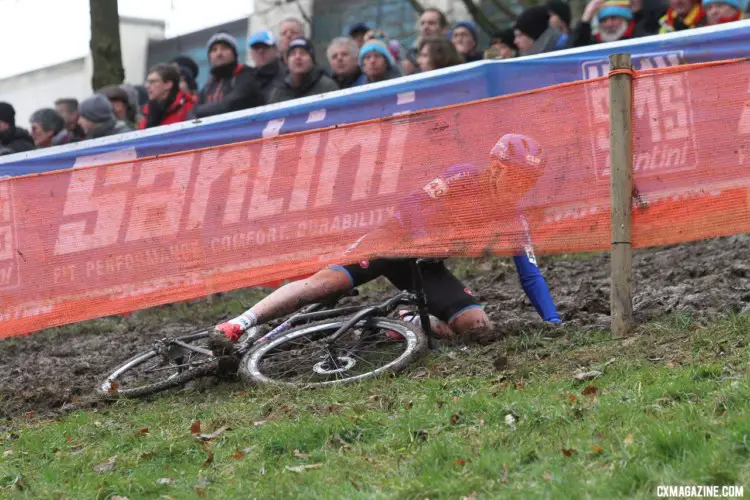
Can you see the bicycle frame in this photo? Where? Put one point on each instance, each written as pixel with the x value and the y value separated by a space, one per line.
pixel 360 313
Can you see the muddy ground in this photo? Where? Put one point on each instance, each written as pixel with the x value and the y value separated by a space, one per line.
pixel 57 369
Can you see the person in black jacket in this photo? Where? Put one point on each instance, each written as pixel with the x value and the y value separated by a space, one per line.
pixel 305 78
pixel 12 139
pixel 232 86
pixel 269 70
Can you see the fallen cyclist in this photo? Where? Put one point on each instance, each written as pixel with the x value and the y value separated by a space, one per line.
pixel 516 163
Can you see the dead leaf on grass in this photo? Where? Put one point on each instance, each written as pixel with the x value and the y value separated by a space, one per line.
pixel 459 461
pixel 671 364
pixel 209 460
pixel 587 375
pixel 68 439
pixel 213 435
pixel 408 405
pixel 504 478
pixel 195 427
pixel 300 455
pixel 596 448
pixel 142 432
pixel 547 475
pixel 30 414
pixel 628 440
pixel 241 453
pixel 147 454
pixel 7 453
pixel 590 390
pixel 472 496
pixel 260 422
pixel 303 468
pixel 455 418
pixel 568 453
pixel 114 389
pixel 164 480
pixel 106 466
pixel 118 497
pixel 572 399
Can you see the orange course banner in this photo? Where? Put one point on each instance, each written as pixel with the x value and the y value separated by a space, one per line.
pixel 95 241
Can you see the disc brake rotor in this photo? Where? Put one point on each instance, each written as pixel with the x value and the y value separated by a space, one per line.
pixel 343 363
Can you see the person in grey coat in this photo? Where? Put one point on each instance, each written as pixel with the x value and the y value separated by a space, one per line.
pixel 97 118
pixel 305 78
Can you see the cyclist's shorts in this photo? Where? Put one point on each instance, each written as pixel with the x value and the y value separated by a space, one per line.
pixel 446 295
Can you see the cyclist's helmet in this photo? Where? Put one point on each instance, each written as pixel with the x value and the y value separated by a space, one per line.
pixel 516 162
pixel 519 151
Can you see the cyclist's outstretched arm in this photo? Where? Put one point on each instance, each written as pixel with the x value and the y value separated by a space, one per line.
pixel 536 288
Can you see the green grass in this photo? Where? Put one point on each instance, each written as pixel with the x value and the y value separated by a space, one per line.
pixel 671 408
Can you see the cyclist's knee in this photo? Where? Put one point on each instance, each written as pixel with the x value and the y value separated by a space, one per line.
pixel 330 281
pixel 471 320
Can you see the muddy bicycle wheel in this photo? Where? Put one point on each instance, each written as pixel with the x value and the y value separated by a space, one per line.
pixel 168 364
pixel 302 357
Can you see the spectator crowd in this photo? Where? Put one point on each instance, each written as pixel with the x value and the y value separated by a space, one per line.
pixel 285 67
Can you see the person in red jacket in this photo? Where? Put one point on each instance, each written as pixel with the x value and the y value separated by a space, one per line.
pixel 166 102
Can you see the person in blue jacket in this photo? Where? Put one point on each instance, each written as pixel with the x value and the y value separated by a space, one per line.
pixel 516 163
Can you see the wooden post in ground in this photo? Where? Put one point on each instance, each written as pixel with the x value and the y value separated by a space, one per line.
pixel 621 188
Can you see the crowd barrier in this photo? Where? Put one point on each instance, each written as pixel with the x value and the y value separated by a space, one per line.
pixel 94 241
pixel 444 87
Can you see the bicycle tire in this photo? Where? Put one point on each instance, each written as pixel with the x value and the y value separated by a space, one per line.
pixel 415 337
pixel 104 388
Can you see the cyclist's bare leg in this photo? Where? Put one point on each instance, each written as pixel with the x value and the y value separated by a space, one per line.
pixel 323 285
pixel 471 320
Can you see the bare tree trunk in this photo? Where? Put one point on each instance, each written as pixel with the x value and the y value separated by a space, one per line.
pixel 481 18
pixel 505 9
pixel 105 44
pixel 418 7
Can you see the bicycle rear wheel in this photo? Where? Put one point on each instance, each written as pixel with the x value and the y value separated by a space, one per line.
pixel 165 366
pixel 302 356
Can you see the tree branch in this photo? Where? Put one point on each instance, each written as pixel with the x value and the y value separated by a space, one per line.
pixel 505 9
pixel 304 15
pixel 481 18
pixel 418 7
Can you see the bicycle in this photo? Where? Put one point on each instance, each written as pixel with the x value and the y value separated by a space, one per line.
pixel 339 337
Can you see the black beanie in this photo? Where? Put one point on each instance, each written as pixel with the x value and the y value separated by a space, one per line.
pixel 533 21
pixel 7 114
pixel 507 37
pixel 560 8
pixel 301 43
pixel 188 62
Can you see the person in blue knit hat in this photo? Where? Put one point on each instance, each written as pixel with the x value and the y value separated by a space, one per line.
pixel 723 11
pixel 466 40
pixel 377 62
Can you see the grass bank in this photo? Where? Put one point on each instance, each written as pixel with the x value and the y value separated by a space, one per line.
pixel 670 408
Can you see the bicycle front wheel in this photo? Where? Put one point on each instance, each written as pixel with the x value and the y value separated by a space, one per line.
pixel 304 357
pixel 167 365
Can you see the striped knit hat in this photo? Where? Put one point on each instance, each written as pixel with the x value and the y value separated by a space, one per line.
pixel 731 3
pixel 381 48
pixel 616 8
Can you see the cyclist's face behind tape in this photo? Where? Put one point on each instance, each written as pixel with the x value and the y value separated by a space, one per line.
pixel 507 182
pixel 220 55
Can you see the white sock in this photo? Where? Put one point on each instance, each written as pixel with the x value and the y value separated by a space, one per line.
pixel 245 321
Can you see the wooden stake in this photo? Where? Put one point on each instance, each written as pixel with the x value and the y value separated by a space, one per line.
pixel 621 188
